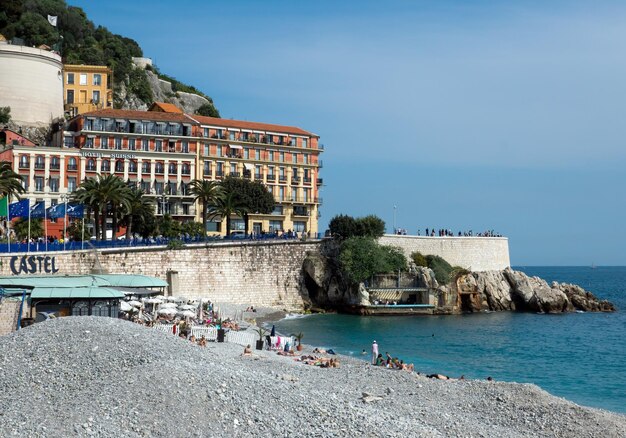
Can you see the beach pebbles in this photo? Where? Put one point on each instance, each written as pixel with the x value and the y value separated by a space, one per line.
pixel 89 376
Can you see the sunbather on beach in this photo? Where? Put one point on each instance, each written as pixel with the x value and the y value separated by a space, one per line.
pixel 247 351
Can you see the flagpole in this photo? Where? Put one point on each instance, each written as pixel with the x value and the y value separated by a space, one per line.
pixel 65 224
pixel 28 243
pixel 82 242
pixel 8 224
pixel 45 223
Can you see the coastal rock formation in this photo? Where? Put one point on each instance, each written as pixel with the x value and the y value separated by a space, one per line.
pixel 514 290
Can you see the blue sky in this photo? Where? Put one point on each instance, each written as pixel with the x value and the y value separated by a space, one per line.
pixel 465 115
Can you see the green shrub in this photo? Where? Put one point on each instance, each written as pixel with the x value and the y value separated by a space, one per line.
pixel 344 227
pixel 440 267
pixel 362 257
pixel 175 244
pixel 419 259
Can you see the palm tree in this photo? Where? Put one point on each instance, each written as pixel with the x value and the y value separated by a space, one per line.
pixel 10 181
pixel 104 194
pixel 139 207
pixel 227 205
pixel 207 193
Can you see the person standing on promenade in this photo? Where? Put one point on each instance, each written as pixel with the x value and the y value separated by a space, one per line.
pixel 374 352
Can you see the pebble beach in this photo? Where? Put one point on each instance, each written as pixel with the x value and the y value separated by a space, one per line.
pixel 90 376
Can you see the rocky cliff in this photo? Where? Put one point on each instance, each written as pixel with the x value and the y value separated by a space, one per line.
pixel 514 290
pixel 506 290
pixel 162 91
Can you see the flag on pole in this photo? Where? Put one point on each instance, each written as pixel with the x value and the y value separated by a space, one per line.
pixel 52 19
pixel 75 210
pixel 38 211
pixel 4 207
pixel 19 209
pixel 56 211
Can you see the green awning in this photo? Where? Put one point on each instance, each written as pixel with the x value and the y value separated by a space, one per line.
pixel 40 293
pixel 131 280
pixel 54 281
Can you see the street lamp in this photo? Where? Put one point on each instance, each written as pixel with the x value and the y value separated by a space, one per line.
pixel 394 218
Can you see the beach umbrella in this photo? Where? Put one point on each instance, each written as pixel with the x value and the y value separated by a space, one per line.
pixel 135 303
pixel 186 307
pixel 168 306
pixel 187 314
pixel 179 299
pixel 153 300
pixel 125 307
pixel 167 311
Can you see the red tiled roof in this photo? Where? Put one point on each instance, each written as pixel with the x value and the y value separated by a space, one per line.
pixel 165 107
pixel 139 115
pixel 227 123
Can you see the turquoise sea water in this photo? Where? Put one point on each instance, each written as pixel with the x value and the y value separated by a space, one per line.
pixel 581 357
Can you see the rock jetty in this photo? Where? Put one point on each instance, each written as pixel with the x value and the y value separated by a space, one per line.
pixel 90 376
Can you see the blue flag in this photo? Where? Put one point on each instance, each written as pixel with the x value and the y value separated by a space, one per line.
pixel 56 211
pixel 75 210
pixel 19 209
pixel 38 210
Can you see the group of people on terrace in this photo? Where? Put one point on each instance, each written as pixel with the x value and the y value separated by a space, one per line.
pixel 442 232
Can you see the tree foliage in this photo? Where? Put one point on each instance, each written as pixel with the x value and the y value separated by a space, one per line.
pixel 344 227
pixel 5 114
pixel 10 181
pixel 362 257
pixel 441 268
pixel 419 259
pixel 208 110
pixel 20 227
pixel 253 196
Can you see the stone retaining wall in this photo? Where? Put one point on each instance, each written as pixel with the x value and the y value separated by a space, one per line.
pixel 261 274
pixel 473 253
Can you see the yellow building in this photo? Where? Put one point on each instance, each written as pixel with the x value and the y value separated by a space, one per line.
pixel 86 88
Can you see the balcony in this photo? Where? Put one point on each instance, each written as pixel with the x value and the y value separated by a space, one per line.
pixel 320 181
pixel 295 181
pixel 282 179
pixel 40 166
pixel 219 174
pixel 320 146
pixel 24 165
pixel 72 167
pixel 271 177
pixel 55 166
pixel 306 180
pixel 235 174
pixel 258 176
pixel 300 211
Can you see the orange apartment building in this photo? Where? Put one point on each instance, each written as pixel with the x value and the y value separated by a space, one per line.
pixel 86 88
pixel 162 150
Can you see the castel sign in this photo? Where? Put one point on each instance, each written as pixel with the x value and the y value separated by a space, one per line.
pixel 33 265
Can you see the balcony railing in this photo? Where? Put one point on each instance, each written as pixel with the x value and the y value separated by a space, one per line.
pixel 271 177
pixel 320 181
pixel 24 165
pixel 72 167
pixel 282 178
pixel 258 176
pixel 235 174
pixel 307 180
pixel 295 181
pixel 40 166
pixel 55 166
pixel 219 174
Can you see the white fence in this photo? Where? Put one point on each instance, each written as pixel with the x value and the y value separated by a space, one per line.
pixel 210 334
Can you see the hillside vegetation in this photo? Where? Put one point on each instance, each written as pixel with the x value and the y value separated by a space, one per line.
pixel 80 41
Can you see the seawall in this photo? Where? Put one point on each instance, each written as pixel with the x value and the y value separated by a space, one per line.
pixel 262 274
pixel 473 253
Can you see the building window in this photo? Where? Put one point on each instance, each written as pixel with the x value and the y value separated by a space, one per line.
pixel 132 166
pixel 159 146
pixel 207 168
pixel 55 163
pixel 145 186
pixel 246 153
pixel 145 144
pixel 97 79
pixel 257 154
pixel 54 185
pixel 71 183
pixel 24 162
pixel 82 79
pixel 131 144
pixel 231 135
pixel 304 142
pixel 39 162
pixel 68 141
pixel 258 172
pixel 106 165
pixel 219 151
pixel 281 157
pixel 119 166
pixel 186 169
pixel 145 167
pixel 292 141
pixel 81 308
pixel 89 142
pixel 220 169
pixel 95 97
pixel 294 158
pixel 39 183
pixel 206 149
pixel 281 193
pixel 271 156
pixel 185 147
pixel 307 195
pixel 276 226
pixel 158 188
pixel 118 143
pixel 172 169
pixel 70 96
pixel 158 168
pixel 104 143
pixel 205 132
pixel 91 165
pixel 233 169
pixel 305 158
pixel 70 78
pixel 299 226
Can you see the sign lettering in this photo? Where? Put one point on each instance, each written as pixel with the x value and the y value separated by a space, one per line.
pixel 33 265
pixel 101 155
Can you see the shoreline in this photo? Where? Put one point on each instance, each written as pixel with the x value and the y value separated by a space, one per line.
pixel 161 385
pixel 357 356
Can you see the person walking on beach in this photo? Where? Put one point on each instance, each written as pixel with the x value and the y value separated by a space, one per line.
pixel 374 352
